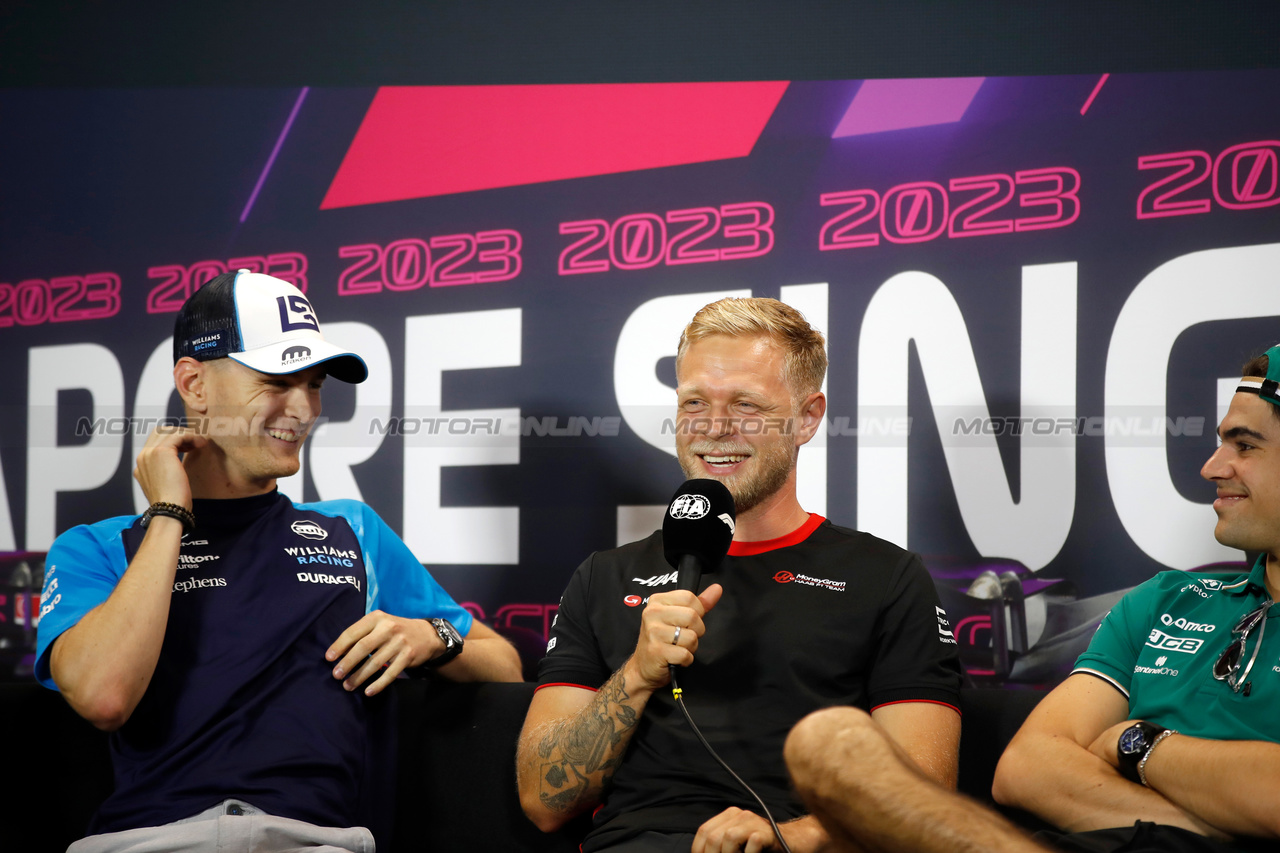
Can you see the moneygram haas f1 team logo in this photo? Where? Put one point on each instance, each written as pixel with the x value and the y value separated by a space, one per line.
pixel 309 530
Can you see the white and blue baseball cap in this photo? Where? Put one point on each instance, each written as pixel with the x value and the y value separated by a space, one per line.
pixel 262 322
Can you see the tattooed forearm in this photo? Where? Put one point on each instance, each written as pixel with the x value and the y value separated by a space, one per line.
pixel 579 755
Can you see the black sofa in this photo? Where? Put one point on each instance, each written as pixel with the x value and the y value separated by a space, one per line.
pixel 449 782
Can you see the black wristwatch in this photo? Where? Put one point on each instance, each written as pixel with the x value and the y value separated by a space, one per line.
pixel 452 643
pixel 1134 744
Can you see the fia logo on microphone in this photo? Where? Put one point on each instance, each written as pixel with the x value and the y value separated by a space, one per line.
pixel 689 507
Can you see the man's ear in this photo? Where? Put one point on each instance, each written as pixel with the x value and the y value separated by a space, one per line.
pixel 812 410
pixel 191 378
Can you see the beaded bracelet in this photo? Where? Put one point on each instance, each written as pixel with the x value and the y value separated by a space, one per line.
pixel 169 510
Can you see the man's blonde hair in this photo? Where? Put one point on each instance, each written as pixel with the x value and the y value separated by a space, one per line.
pixel 803 347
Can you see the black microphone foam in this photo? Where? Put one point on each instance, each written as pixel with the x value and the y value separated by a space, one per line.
pixel 697 529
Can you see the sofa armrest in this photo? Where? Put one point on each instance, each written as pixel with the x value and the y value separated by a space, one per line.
pixel 57 765
pixel 991 717
pixel 456 781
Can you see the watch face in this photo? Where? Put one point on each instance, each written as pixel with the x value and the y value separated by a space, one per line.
pixel 1133 740
pixel 448 634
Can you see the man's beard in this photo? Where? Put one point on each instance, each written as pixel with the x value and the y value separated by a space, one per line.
pixel 771 465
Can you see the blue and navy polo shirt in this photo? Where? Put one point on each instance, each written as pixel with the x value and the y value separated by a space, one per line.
pixel 243 703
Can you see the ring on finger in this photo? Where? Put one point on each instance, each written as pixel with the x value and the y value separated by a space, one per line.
pixel 676 639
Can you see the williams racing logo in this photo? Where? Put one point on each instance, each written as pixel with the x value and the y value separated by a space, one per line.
pixel 309 530
pixel 325 555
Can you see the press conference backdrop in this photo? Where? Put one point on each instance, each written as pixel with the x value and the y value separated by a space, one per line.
pixel 1037 293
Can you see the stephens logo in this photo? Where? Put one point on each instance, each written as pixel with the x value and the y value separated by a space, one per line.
pixel 632 600
pixel 295 355
pixel 309 529
pixel 689 507
pixel 784 577
pixel 202 583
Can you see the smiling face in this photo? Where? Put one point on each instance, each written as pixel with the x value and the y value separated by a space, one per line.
pixel 1246 471
pixel 736 420
pixel 258 420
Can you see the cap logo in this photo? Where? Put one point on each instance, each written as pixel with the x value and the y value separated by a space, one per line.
pixel 296 313
pixel 207 345
pixel 690 507
pixel 294 354
pixel 204 342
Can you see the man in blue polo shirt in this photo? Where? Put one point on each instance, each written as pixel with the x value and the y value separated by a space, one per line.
pixel 1165 737
pixel 228 637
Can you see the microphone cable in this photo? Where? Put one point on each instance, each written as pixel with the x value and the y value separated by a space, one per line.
pixel 679 697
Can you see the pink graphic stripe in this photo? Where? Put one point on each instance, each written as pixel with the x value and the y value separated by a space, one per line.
pixel 435 140
pixel 882 105
pixel 1094 93
pixel 302 96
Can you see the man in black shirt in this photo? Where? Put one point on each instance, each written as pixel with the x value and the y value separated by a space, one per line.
pixel 799 616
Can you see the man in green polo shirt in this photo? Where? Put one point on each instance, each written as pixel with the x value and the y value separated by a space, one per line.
pixel 1165 737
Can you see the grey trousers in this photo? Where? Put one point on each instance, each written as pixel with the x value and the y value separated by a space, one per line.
pixel 233 826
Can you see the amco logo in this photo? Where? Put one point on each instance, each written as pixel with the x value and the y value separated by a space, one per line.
pixel 309 529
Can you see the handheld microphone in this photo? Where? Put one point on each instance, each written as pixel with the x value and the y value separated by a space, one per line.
pixel 697 529
pixel 696 533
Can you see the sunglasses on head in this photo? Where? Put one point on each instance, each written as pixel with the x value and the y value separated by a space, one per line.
pixel 1227 667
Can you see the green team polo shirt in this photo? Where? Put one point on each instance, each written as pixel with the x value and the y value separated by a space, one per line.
pixel 1158 645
